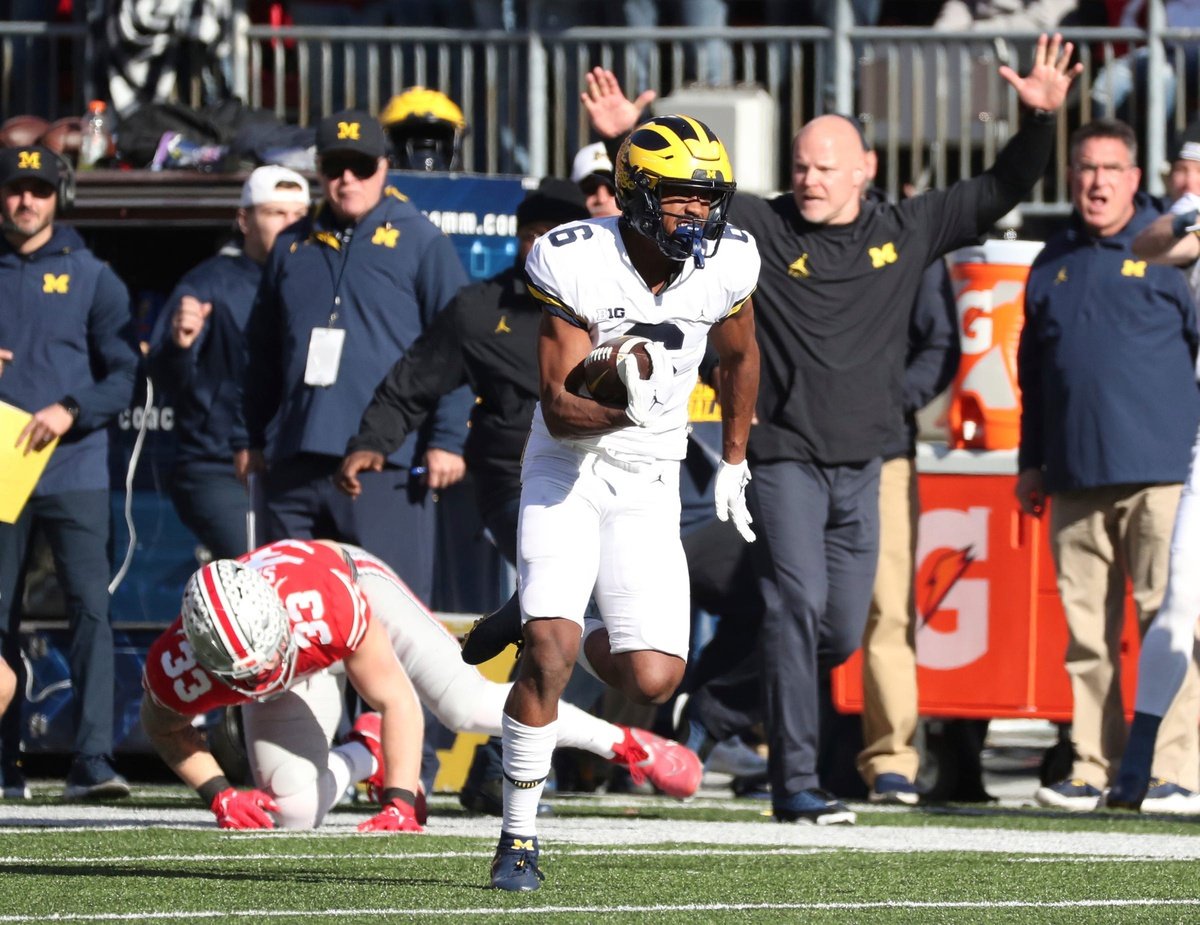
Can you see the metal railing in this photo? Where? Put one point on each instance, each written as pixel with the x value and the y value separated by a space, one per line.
pixel 933 104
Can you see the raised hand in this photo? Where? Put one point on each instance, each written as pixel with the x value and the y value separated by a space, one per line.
pixel 1046 84
pixel 611 112
pixel 188 321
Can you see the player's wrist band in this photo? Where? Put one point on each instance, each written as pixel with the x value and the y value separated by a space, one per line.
pixel 210 788
pixel 397 793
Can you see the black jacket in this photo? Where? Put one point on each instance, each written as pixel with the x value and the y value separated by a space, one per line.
pixel 487 337
pixel 833 303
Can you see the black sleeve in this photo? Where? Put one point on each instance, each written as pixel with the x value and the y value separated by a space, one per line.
pixel 933 343
pixel 431 368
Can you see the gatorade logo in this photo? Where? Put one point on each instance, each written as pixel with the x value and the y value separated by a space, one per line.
pixel 953 630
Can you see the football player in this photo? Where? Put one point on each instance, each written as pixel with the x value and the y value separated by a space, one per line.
pixel 600 501
pixel 337 593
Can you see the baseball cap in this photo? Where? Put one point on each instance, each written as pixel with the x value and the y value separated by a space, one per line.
pixel 591 159
pixel 33 161
pixel 555 201
pixel 262 186
pixel 353 131
pixel 1189 144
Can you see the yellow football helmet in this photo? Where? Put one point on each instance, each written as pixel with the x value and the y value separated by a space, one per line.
pixel 682 152
pixel 426 128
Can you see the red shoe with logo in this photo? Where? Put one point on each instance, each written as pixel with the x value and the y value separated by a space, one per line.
pixel 672 768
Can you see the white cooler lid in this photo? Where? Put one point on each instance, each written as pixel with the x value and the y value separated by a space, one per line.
pixel 1014 253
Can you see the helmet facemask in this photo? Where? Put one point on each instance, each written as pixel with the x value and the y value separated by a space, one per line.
pixel 238 629
pixel 682 154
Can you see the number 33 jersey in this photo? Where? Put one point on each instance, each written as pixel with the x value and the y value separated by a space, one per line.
pixel 582 273
pixel 329 619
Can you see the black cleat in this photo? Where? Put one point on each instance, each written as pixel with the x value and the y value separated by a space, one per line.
pixel 515 866
pixel 494 633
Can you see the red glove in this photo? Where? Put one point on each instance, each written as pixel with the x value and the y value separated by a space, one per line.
pixel 243 809
pixel 396 816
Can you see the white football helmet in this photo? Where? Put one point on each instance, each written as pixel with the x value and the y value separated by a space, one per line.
pixel 238 628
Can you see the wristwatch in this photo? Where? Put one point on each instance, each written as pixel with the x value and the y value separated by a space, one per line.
pixel 71 405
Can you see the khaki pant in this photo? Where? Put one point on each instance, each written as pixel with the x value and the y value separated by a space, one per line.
pixel 1100 537
pixel 889 649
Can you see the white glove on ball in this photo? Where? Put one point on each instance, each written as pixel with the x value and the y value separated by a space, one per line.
pixel 647 397
pixel 730 491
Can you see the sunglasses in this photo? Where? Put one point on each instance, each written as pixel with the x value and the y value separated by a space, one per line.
pixel 334 168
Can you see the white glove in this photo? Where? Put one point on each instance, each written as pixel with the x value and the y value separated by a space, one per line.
pixel 647 397
pixel 730 492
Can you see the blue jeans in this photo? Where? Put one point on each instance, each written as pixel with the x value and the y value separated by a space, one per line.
pixel 1121 78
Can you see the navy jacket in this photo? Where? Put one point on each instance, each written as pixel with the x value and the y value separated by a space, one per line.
pixel 1106 363
pixel 204 381
pixel 65 316
pixel 382 281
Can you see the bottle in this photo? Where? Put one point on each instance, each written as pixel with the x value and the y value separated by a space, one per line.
pixel 96 136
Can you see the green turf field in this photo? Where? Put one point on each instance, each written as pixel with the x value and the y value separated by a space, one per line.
pixel 158 858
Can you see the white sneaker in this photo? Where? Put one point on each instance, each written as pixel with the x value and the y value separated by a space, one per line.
pixel 1166 797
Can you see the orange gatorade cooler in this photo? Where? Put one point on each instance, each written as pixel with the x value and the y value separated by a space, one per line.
pixel 989 287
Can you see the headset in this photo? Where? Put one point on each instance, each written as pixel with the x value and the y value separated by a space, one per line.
pixel 66 182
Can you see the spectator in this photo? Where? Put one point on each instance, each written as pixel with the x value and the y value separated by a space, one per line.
pixel 889 761
pixel 1125 76
pixel 344 294
pixel 198 357
pixel 831 342
pixel 1007 15
pixel 365 603
pixel 16 789
pixel 710 60
pixel 426 129
pixel 1106 337
pixel 1166 663
pixel 69 360
pixel 599 493
pixel 592 170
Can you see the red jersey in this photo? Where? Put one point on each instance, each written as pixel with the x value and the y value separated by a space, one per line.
pixel 329 620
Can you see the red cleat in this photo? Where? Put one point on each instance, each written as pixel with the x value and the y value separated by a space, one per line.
pixel 672 768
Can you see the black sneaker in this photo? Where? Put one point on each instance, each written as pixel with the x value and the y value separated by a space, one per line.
pixel 92 777
pixel 814 806
pixel 493 633
pixel 12 780
pixel 890 787
pixel 515 866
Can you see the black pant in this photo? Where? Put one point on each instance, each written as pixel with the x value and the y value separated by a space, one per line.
pixel 76 525
pixel 212 503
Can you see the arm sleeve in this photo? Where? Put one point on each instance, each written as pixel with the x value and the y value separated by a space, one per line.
pixel 959 215
pixel 262 385
pixel 1031 454
pixel 440 277
pixel 934 348
pixel 432 368
pixel 172 368
pixel 113 354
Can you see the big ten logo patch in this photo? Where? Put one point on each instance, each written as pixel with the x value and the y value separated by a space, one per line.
pixel 952 588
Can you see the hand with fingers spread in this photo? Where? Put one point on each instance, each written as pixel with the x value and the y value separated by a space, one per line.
pixel 1045 86
pixel 611 112
pixel 397 816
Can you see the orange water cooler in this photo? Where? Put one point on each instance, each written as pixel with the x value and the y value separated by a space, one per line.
pixel 989 287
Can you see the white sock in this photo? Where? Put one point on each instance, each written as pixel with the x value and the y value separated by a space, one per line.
pixel 590 625
pixel 577 729
pixel 349 764
pixel 527 754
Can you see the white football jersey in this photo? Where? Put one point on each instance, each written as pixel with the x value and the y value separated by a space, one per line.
pixel 1186 203
pixel 581 272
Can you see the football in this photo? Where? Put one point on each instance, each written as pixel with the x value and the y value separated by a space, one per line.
pixel 64 137
pixel 600 376
pixel 20 131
